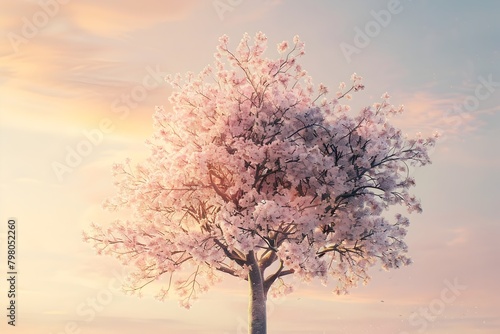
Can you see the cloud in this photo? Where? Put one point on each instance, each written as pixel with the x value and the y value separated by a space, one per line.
pixel 459 237
pixel 74 81
pixel 14 11
pixel 112 17
pixel 426 113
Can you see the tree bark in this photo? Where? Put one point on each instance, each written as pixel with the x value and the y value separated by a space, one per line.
pixel 257 305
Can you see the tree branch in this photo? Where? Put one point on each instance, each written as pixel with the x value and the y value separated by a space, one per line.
pixel 231 255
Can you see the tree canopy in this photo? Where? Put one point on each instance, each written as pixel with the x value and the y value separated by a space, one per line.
pixel 255 169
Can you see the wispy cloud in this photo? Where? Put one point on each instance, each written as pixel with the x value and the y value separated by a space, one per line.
pixel 118 17
pixel 428 112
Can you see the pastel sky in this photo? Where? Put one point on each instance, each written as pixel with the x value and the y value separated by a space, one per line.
pixel 73 69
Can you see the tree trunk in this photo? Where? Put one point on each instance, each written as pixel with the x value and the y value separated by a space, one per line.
pixel 257 305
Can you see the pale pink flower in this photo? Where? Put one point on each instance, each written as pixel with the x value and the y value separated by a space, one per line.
pixel 282 47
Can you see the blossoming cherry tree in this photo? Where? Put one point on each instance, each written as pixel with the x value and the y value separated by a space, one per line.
pixel 256 173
